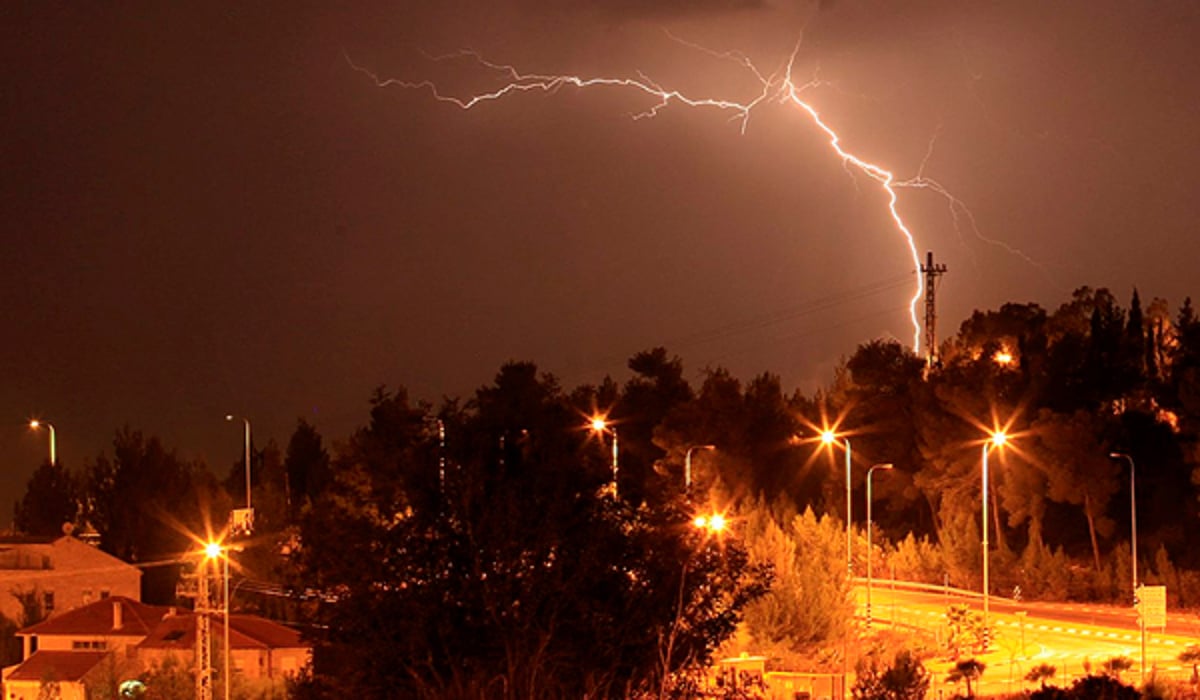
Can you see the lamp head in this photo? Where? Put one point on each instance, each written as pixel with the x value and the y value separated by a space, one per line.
pixel 714 523
pixel 999 438
pixel 599 424
pixel 828 437
pixel 35 424
pixel 212 550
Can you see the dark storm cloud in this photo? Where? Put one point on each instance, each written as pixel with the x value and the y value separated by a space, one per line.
pixel 656 9
pixel 207 211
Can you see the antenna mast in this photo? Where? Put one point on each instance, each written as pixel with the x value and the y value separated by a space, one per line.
pixel 932 272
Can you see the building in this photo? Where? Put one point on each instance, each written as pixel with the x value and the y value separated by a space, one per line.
pixel 261 649
pixel 119 639
pixel 77 648
pixel 46 576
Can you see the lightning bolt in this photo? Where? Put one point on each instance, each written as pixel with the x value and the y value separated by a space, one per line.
pixel 779 87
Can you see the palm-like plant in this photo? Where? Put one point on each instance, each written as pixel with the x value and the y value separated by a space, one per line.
pixel 967 670
pixel 1041 673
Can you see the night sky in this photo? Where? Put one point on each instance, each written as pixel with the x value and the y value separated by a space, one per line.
pixel 207 210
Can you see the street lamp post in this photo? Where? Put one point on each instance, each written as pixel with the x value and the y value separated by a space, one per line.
pixel 1133 546
pixel 687 464
pixel 249 513
pixel 35 424
pixel 600 425
pixel 869 471
pixel 830 438
pixel 998 439
pixel 246 421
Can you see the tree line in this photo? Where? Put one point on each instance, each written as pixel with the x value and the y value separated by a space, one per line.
pixel 490 535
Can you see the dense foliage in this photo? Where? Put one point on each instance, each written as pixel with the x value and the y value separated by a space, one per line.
pixel 505 566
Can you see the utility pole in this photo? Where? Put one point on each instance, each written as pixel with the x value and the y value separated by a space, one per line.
pixel 932 272
pixel 203 611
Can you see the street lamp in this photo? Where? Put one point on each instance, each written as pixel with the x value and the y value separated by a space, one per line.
pixel 830 438
pixel 687 464
pixel 887 466
pixel 249 514
pixel 35 424
pixel 1133 544
pixel 600 426
pixel 714 523
pixel 998 438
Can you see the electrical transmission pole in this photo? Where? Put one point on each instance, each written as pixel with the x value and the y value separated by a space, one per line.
pixel 203 610
pixel 932 272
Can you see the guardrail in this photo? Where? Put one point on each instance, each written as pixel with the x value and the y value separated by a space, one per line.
pixel 918 586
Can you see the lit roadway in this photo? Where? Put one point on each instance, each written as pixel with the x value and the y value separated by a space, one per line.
pixel 1027 634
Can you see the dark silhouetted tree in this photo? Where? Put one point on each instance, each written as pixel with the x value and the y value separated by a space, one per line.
pixel 148 505
pixel 51 500
pixel 524 578
pixel 307 466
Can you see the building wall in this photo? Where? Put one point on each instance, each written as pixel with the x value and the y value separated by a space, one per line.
pixel 249 663
pixel 116 643
pixel 77 574
pixel 273 663
pixel 28 690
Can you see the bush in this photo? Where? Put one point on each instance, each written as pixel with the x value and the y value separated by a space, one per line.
pixel 1103 688
pixel 917 560
pixel 906 679
pixel 1089 688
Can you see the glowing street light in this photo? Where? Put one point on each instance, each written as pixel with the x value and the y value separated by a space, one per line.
pixel 714 523
pixel 600 426
pixel 869 471
pixel 830 438
pixel 35 424
pixel 1133 544
pixel 687 464
pixel 998 439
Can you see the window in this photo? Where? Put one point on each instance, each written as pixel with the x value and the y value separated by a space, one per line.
pixel 104 593
pixel 48 602
pixel 88 645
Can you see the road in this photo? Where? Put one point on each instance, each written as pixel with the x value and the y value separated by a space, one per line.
pixel 1071 637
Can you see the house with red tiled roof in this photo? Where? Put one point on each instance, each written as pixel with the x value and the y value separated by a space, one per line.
pixel 120 639
pixel 57 574
pixel 71 671
pixel 81 647
pixel 260 649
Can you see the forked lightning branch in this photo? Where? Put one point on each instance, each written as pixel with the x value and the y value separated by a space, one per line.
pixel 780 87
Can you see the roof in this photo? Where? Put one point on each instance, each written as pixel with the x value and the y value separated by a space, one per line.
pixel 245 632
pixel 23 553
pixel 97 619
pixel 270 634
pixel 28 539
pixel 63 666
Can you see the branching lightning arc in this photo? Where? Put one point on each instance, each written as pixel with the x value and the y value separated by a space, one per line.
pixel 780 87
